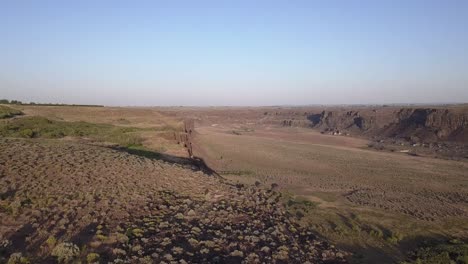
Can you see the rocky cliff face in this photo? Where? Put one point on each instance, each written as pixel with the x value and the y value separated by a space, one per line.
pixel 344 120
pixel 415 124
pixel 429 125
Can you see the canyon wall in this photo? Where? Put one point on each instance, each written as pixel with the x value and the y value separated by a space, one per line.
pixel 415 124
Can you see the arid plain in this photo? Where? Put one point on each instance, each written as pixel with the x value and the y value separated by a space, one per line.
pixel 118 184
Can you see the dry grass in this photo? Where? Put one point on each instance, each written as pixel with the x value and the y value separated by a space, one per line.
pixel 119 116
pixel 366 199
pixel 7 112
pixel 147 126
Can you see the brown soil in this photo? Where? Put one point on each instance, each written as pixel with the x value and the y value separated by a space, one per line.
pixel 307 161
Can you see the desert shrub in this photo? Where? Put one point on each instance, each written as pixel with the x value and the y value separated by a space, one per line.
pixel 51 241
pixel 92 258
pixel 376 232
pixel 17 258
pixel 394 237
pixel 299 214
pixel 15 206
pixel 65 252
pixel 340 230
pixel 301 204
pixel 5 208
pixel 101 237
pixel 451 252
pixel 26 133
pixel 137 232
pixel 299 207
pixel 355 227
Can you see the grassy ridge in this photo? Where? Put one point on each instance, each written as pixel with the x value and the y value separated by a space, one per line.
pixel 40 127
pixel 7 112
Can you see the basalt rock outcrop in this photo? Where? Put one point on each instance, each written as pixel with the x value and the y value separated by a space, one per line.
pixel 430 125
pixel 414 124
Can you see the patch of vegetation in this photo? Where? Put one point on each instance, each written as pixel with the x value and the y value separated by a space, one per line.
pixel 17 258
pixel 92 258
pixel 238 173
pixel 66 252
pixel 299 207
pixel 394 238
pixel 453 251
pixel 242 130
pixel 16 102
pixel 7 112
pixel 235 132
pixel 5 208
pixel 376 232
pixel 40 127
pixel 137 232
pixel 51 241
pixel 101 237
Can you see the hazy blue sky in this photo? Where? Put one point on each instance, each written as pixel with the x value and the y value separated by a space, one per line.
pixel 234 52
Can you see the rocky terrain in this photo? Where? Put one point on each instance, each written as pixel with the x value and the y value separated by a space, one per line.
pixel 415 124
pixel 63 201
pixel 418 124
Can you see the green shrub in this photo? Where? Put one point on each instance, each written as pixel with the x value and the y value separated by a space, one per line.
pixel 26 133
pixel 375 232
pixel 101 237
pixel 355 227
pixel 17 258
pixel 7 112
pixel 440 253
pixel 394 238
pixel 51 241
pixel 301 203
pixel 92 258
pixel 40 127
pixel 66 252
pixel 137 232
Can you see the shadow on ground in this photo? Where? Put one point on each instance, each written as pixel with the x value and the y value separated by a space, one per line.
pixel 195 164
